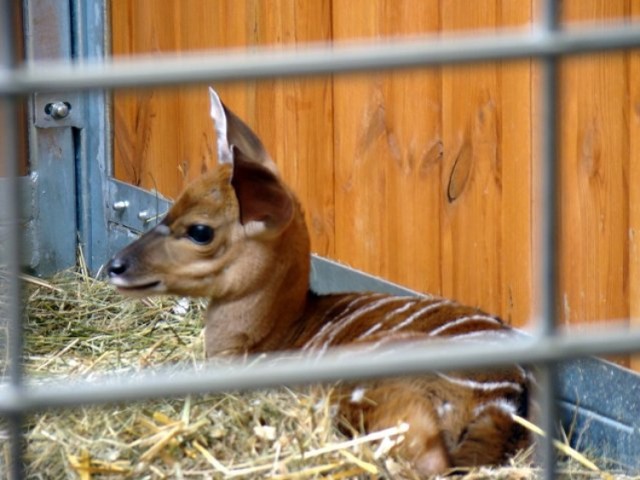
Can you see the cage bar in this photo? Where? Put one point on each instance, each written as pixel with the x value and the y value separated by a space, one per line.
pixel 548 277
pixel 11 233
pixel 167 69
pixel 546 42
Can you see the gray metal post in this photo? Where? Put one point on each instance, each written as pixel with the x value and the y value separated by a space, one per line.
pixel 548 255
pixel 94 139
pixel 52 145
pixel 11 308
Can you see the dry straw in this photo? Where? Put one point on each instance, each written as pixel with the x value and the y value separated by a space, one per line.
pixel 77 326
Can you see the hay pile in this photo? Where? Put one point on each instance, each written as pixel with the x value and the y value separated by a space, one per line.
pixel 77 326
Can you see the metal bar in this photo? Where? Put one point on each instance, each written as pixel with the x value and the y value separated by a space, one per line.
pixel 16 400
pixel 55 220
pixel 12 235
pixel 93 142
pixel 346 364
pixel 312 60
pixel 83 199
pixel 548 127
pixel 548 255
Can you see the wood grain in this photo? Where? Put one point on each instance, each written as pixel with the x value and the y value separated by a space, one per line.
pixel 147 150
pixel 428 178
pixel 163 139
pixel 388 149
pixel 633 57
pixel 516 164
pixel 486 225
pixel 594 151
pixel 297 115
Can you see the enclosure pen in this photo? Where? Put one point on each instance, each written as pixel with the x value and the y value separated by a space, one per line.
pixel 547 42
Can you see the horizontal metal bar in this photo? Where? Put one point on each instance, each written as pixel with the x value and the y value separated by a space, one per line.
pixel 350 365
pixel 311 60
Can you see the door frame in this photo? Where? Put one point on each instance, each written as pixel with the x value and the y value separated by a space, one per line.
pixel 74 203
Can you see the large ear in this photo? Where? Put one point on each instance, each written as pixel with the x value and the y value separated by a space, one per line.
pixel 233 131
pixel 265 204
pixel 220 125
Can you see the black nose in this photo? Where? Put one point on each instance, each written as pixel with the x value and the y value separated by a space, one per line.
pixel 116 267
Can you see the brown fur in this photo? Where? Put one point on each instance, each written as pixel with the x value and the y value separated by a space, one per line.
pixel 255 272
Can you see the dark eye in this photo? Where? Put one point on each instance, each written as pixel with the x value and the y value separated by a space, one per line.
pixel 201 234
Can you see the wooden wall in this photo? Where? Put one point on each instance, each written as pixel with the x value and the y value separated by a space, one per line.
pixel 427 178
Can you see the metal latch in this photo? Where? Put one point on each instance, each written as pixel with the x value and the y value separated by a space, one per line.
pixel 57 110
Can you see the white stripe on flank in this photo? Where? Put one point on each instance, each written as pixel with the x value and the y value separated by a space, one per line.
pixel 484 336
pixel 314 340
pixel 389 315
pixel 310 343
pixel 460 321
pixel 409 320
pixel 502 404
pixel 359 312
pixel 397 338
pixel 345 320
pixel 373 329
pixel 402 309
pixel 482 386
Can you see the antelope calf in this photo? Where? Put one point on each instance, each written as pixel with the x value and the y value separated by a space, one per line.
pixel 237 235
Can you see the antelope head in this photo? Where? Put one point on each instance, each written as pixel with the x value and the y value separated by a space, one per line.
pixel 232 231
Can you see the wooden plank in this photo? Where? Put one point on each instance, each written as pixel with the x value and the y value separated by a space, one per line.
pixel 486 222
pixel 296 116
pixel 163 140
pixel 536 137
pixel 202 25
pixel 516 179
pixel 388 152
pixel 595 154
pixel 163 137
pixel 633 58
pixel 146 146
pixel 433 170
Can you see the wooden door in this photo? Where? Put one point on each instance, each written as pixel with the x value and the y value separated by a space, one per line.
pixel 426 177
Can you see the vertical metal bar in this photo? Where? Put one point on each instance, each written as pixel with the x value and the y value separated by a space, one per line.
pixel 93 142
pixel 53 159
pixel 549 233
pixel 80 141
pixel 12 234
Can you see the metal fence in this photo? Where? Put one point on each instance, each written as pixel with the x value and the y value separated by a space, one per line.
pixel 546 42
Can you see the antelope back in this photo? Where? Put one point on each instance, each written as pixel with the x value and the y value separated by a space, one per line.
pixel 455 418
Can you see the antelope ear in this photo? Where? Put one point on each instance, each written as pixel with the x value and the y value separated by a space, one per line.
pixel 220 125
pixel 265 204
pixel 233 131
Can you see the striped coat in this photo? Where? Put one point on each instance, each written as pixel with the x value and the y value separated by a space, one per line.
pixel 472 410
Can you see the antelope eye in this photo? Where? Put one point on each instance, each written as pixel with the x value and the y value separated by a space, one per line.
pixel 201 234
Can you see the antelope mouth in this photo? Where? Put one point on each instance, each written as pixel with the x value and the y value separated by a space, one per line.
pixel 140 287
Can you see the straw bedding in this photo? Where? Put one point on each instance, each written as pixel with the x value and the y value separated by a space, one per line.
pixel 77 326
